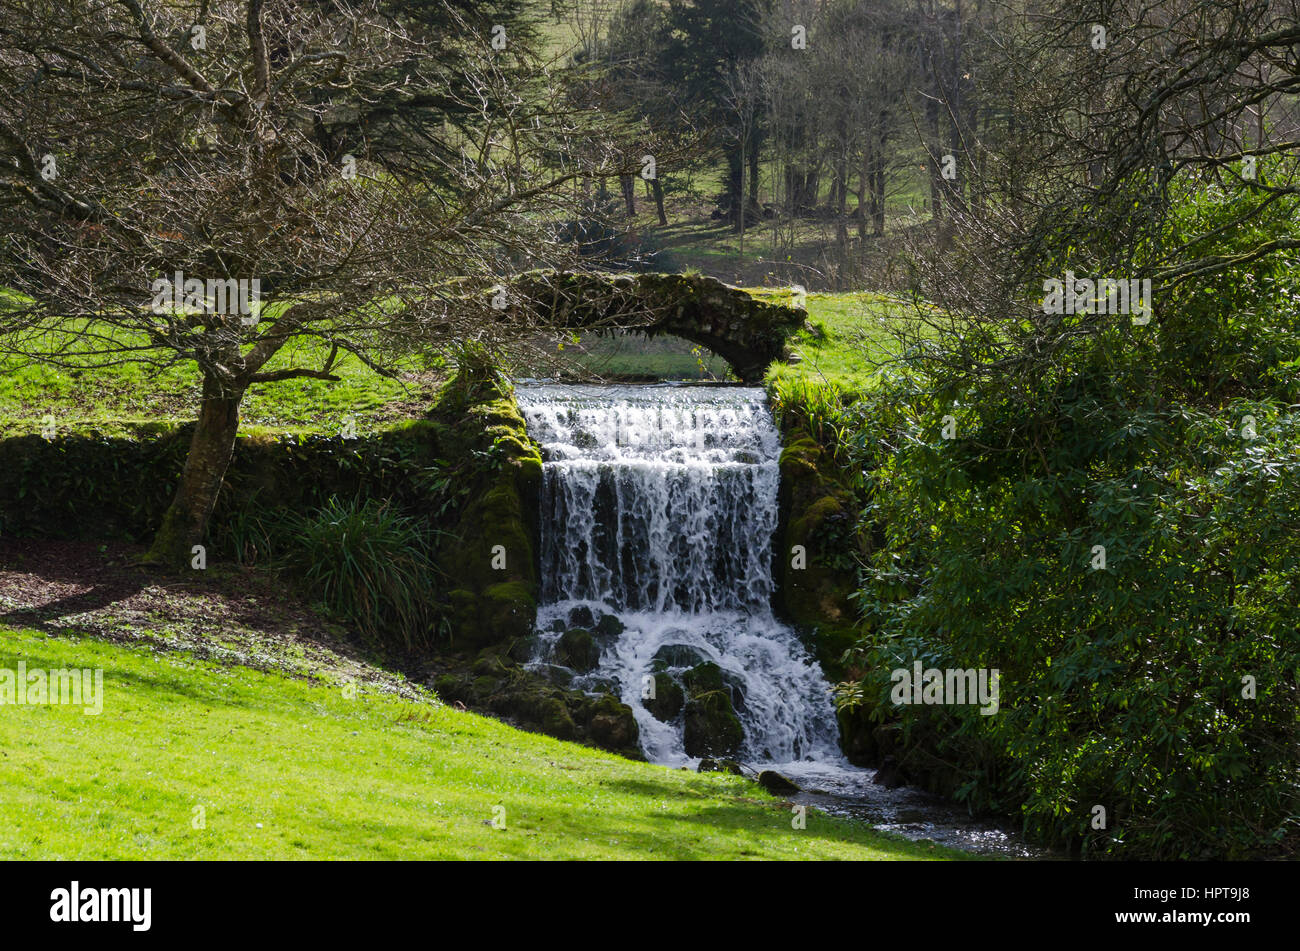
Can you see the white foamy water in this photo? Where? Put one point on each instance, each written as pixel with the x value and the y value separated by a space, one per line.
pixel 658 507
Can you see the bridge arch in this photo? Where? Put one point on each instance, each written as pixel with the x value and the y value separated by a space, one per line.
pixel 748 332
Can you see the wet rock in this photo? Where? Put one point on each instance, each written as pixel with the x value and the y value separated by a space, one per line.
pixel 609 626
pixel 736 686
pixel 719 766
pixel 668 699
pixel 677 655
pixel 775 783
pixel 557 626
pixel 581 616
pixel 711 726
pixel 888 774
pixel 557 675
pixel 540 699
pixel 577 649
pixel 612 725
pixel 522 649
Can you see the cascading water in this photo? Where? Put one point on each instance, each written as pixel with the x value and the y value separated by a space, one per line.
pixel 657 513
pixel 658 508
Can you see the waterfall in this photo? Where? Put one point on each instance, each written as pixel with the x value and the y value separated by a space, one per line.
pixel 657 513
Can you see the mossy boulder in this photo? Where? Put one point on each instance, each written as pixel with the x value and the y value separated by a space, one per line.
pixel 539 699
pixel 492 665
pixel 577 649
pixel 705 678
pixel 776 784
pixel 668 699
pixel 521 649
pixel 560 676
pixel 556 720
pixel 451 687
pixel 612 725
pixel 711 727
pixel 507 610
pixel 609 627
pixel 676 655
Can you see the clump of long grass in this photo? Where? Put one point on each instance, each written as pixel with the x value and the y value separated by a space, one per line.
pixel 369 564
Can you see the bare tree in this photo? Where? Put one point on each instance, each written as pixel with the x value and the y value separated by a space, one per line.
pixel 208 183
pixel 744 96
pixel 1099 117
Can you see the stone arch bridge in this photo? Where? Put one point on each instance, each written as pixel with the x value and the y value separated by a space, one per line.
pixel 747 331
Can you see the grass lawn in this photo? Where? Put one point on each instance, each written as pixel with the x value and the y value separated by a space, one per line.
pixel 116 400
pixel 293 768
pixel 847 341
pixel 111 399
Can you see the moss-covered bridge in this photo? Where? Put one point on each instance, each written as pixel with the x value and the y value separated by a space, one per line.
pixel 746 331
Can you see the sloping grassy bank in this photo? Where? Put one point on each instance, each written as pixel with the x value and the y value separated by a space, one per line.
pixel 288 768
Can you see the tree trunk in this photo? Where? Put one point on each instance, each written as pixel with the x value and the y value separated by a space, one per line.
pixel 658 190
pixel 734 199
pixel 186 520
pixel 811 190
pixel 629 194
pixel 934 156
pixel 878 193
pixel 866 195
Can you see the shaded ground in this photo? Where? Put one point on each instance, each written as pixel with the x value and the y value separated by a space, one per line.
pixel 230 616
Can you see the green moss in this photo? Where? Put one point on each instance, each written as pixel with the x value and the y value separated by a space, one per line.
pixel 556 719
pixel 489 551
pixel 816 509
pixel 577 649
pixel 668 700
pixel 505 610
pixel 803 454
pixel 804 528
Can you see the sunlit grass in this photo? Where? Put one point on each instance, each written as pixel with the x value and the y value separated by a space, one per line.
pixel 104 397
pixel 847 340
pixel 284 768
